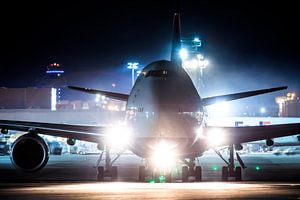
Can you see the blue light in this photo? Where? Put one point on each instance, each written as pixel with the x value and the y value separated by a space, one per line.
pixel 55 71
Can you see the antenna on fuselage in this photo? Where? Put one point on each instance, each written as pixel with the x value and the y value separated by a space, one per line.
pixel 176 40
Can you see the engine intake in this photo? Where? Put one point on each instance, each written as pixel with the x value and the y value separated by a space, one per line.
pixel 30 153
pixel 269 142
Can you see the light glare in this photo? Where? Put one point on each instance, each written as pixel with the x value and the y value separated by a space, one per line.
pixel 118 137
pixel 221 109
pixel 215 137
pixel 183 54
pixel 163 156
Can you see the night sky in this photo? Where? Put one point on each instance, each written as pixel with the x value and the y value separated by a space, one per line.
pixel 250 44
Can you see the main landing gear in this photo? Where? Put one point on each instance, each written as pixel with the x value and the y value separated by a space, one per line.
pixel 108 170
pixel 190 171
pixel 230 171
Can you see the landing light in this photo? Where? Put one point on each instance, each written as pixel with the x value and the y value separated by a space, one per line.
pixel 118 137
pixel 215 137
pixel 163 156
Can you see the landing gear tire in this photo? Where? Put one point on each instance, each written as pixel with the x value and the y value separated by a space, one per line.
pixel 114 173
pixel 185 174
pixel 142 174
pixel 198 173
pixel 238 173
pixel 100 173
pixel 224 173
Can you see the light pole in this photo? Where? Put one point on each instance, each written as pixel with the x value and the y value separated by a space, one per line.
pixel 202 63
pixel 132 66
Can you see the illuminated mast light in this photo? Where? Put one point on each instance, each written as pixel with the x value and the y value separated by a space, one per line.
pixel 53 99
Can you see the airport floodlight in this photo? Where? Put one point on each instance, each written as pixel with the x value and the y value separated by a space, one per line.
pixel 132 66
pixel 196 39
pixel 200 56
pixel 164 156
pixel 205 63
pixel 196 42
pixel 194 64
pixel 183 53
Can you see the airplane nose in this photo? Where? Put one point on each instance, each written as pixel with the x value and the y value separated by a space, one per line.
pixel 175 125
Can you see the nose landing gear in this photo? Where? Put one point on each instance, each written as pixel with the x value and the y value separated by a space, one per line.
pixel 191 171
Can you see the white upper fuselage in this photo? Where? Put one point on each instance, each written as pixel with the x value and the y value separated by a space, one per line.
pixel 164 105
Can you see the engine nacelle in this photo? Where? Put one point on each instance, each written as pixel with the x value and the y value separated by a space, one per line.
pixel 71 142
pixel 4 131
pixel 269 142
pixel 29 153
pixel 238 147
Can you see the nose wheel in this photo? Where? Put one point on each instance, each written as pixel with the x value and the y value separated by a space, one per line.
pixel 156 176
pixel 191 172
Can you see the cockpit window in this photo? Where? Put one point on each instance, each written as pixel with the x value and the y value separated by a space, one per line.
pixel 158 73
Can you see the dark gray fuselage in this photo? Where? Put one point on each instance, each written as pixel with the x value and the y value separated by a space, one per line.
pixel 164 105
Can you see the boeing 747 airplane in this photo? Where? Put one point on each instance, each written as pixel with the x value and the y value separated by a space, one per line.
pixel 165 124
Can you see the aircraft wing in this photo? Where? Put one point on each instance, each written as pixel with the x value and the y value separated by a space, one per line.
pixel 79 132
pixel 238 135
pixel 229 97
pixel 113 95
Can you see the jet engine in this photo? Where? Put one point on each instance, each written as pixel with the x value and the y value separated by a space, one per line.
pixel 269 142
pixel 29 153
pixel 238 147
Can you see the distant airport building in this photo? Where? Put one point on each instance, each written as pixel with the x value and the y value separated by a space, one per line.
pixel 25 98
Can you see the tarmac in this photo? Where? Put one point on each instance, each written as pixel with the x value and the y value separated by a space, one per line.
pixel 74 177
pixel 121 190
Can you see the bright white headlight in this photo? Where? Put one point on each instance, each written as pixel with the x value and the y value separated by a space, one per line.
pixel 118 137
pixel 215 137
pixel 164 157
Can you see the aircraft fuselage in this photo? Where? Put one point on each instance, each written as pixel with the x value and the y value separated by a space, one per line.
pixel 164 105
